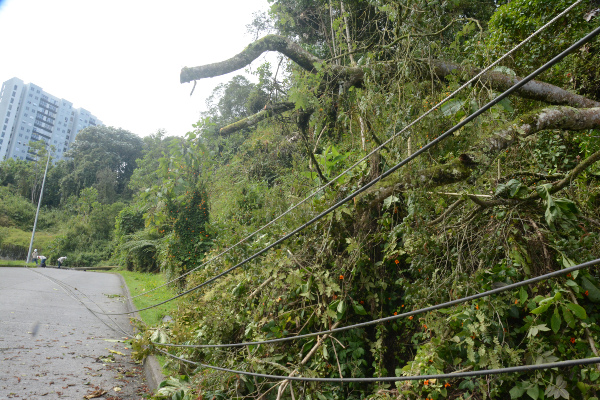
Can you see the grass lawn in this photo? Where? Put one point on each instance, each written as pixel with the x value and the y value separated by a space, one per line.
pixel 139 283
pixel 6 263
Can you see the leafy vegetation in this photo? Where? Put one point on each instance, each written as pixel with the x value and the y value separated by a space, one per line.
pixel 510 196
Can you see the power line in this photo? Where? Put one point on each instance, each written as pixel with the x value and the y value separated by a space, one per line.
pixel 403 315
pixel 425 148
pixel 450 376
pixel 68 290
pixel 473 79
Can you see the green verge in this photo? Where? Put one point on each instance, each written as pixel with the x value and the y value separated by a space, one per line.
pixel 139 283
pixel 18 263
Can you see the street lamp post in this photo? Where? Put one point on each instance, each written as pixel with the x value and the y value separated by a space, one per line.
pixel 38 209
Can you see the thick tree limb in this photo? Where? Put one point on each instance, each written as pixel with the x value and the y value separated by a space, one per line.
pixel 353 75
pixel 269 43
pixel 269 111
pixel 484 152
pixel 534 90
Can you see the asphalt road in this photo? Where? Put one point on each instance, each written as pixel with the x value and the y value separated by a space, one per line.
pixel 53 347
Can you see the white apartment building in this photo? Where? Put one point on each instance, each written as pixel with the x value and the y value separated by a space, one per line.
pixel 27 113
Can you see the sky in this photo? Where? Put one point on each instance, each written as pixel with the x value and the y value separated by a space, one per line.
pixel 120 59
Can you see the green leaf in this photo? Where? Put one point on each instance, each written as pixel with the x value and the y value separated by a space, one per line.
pixel 534 392
pixel 541 308
pixel 506 104
pixel 516 392
pixel 555 321
pixel 591 288
pixel 451 107
pixel 577 310
pixel 358 309
pixel 389 200
pixel 522 296
pixel 569 319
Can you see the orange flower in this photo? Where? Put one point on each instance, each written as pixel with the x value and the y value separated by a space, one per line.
pixel 426 382
pixel 573 340
pixel 362 302
pixel 586 292
pixel 447 384
pixel 395 313
pixel 397 262
pixel 341 277
pixel 425 327
pixel 477 306
pixel 516 301
pixel 411 317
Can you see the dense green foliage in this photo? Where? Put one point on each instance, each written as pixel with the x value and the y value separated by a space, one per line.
pixel 414 247
pixel 471 214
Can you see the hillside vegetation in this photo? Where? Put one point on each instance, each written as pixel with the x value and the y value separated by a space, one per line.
pixel 512 195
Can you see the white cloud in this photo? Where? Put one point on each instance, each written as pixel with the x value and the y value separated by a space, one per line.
pixel 120 59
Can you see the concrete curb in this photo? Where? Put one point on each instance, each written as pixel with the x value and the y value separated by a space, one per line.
pixel 152 368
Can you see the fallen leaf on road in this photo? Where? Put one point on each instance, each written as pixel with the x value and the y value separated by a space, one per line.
pixel 95 393
pixel 116 352
pixel 117 389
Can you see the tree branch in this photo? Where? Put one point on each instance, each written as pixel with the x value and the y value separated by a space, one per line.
pixel 276 43
pixel 485 151
pixel 269 111
pixel 352 75
pixel 534 90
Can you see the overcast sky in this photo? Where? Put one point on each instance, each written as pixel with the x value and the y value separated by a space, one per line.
pixel 120 59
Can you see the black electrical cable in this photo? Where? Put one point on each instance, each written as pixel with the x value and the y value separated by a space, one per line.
pixel 382 145
pixel 497 371
pixel 434 142
pixel 68 289
pixel 403 315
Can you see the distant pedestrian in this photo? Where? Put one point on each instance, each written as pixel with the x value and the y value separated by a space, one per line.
pixel 34 255
pixel 43 261
pixel 60 261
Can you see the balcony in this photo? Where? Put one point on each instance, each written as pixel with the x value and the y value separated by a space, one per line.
pixel 37 125
pixel 47 137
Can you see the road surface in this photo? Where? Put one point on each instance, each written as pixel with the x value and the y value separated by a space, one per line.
pixel 52 346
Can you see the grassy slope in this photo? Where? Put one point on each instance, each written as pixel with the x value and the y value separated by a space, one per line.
pixel 139 283
pixel 22 238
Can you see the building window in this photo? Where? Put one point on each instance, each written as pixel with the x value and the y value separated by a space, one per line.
pixel 12 100
pixel 10 107
pixel 14 93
